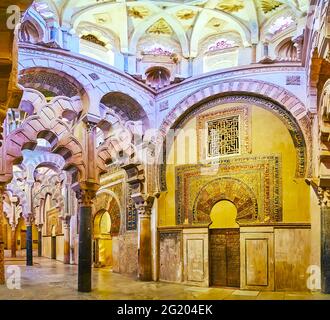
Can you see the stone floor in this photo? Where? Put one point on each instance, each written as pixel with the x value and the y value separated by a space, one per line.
pixel 49 279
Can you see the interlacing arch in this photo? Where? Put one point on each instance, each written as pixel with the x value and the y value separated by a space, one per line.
pixel 17 191
pixel 50 185
pixel 122 132
pixel 118 145
pixel 48 122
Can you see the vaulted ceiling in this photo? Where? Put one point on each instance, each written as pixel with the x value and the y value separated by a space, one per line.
pixel 187 22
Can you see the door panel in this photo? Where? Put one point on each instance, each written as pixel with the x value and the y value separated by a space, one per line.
pixel 233 258
pixel 53 247
pixel 218 258
pixel 225 257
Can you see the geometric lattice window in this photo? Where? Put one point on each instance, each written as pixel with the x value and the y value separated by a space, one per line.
pixel 223 137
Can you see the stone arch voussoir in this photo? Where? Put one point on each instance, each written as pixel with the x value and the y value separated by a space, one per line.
pixel 225 188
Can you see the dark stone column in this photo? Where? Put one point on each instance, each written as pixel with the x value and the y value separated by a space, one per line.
pixel 29 242
pixel 85 192
pixel 85 250
pixel 325 248
pixel 2 248
pixel 40 241
pixel 85 240
pixel 13 241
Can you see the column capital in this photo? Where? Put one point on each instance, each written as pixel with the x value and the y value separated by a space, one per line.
pixel 323 194
pixel 66 221
pixel 29 219
pixel 91 121
pixel 85 193
pixel 143 203
pixel 85 197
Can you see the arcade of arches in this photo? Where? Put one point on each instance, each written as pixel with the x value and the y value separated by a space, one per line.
pixel 178 141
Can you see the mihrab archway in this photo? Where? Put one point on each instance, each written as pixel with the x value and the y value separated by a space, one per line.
pixel 225 188
pixel 106 226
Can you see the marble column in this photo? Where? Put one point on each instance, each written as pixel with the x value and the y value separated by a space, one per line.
pixel 96 253
pixel 190 67
pixel 254 53
pixel 324 196
pixel 13 241
pixel 85 193
pixel 2 248
pixel 40 240
pixel 145 254
pixel 324 201
pixel 29 241
pixel 29 220
pixel 85 240
pixel 66 227
pixel 266 49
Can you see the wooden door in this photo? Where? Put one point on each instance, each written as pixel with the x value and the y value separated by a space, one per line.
pixel 225 257
pixel 53 245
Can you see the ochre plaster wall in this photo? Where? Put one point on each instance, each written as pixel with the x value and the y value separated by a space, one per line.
pixel 269 135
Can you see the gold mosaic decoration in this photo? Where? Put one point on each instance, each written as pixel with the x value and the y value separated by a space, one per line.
pixel 138 12
pixel 93 39
pixel 185 14
pixel 269 5
pixel 252 183
pixel 230 5
pixel 224 133
pixel 160 27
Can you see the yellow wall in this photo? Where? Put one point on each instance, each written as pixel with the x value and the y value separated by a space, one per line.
pixel 47 247
pixel 6 234
pixel 223 215
pixel 60 248
pixel 21 226
pixel 105 251
pixel 269 136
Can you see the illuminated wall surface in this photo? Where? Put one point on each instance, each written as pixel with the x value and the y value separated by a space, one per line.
pixel 176 142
